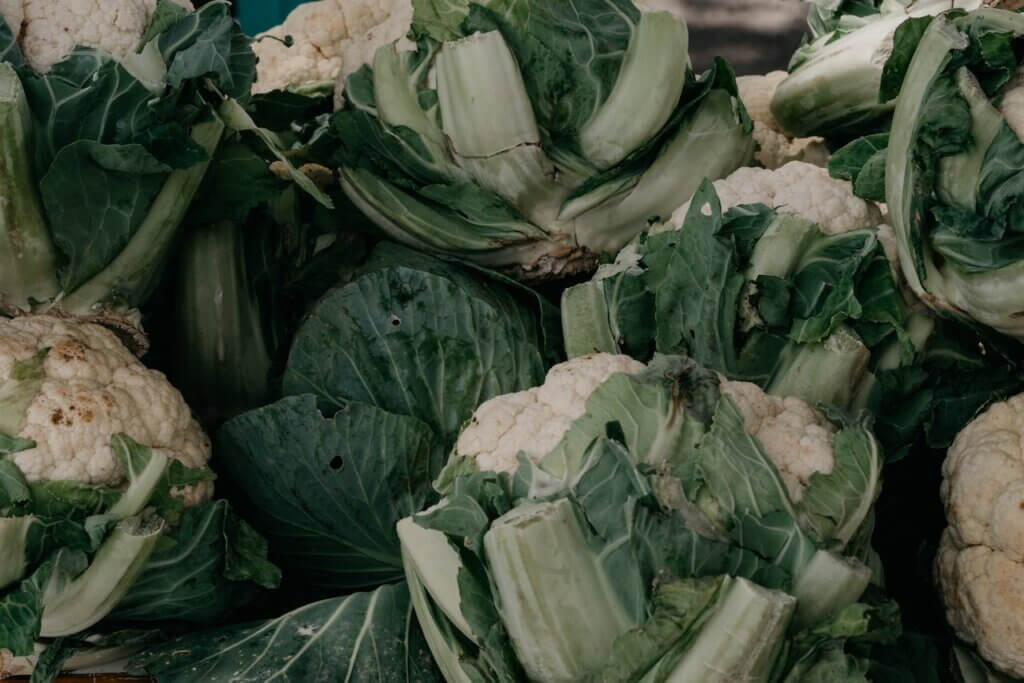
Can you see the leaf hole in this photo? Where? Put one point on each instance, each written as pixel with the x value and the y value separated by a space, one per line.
pixel 336 463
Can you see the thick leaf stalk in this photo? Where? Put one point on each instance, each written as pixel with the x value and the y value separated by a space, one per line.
pixel 221 323
pixel 556 599
pixel 73 606
pixel 27 261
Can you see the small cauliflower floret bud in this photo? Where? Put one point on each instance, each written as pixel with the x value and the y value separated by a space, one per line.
pixel 756 93
pixel 330 39
pixel 796 438
pixel 70 386
pixel 798 189
pixel 776 147
pixel 980 565
pixel 48 30
pixel 535 420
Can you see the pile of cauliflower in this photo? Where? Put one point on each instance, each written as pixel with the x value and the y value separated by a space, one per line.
pixel 68 386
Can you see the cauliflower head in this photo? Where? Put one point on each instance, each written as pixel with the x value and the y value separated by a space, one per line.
pixel 980 564
pixel 776 147
pixel 534 421
pixel 88 387
pixel 796 438
pixel 331 39
pixel 799 189
pixel 48 30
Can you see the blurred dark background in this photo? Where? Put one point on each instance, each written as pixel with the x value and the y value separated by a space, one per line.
pixel 756 36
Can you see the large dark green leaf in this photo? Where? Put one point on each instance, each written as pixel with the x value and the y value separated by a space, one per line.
pixel 362 638
pixel 327 492
pixel 87 97
pixel 192 579
pixel 415 336
pixel 204 44
pixel 21 612
pixel 237 181
pixel 695 277
pixel 13 487
pixel 96 196
pixel 1001 181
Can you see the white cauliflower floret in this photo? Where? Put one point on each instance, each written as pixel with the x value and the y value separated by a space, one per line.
pixel 534 421
pixel 48 30
pixel 796 438
pixel 92 389
pixel 776 147
pixel 799 189
pixel 332 39
pixel 980 565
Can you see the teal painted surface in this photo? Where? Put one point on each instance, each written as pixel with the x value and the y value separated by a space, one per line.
pixel 257 16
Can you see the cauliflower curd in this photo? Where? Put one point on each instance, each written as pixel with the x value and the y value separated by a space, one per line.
pixel 535 420
pixel 330 40
pixel 48 30
pixel 69 387
pixel 980 564
pixel 795 437
pixel 798 189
